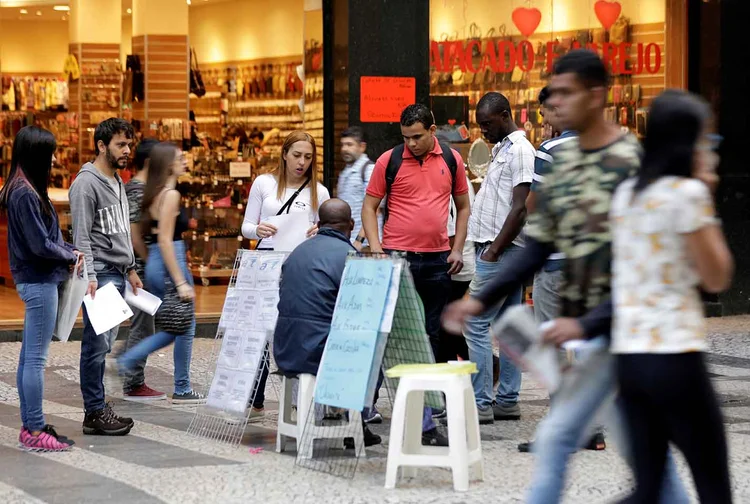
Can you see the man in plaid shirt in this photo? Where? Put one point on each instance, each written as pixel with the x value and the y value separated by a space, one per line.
pixel 495 226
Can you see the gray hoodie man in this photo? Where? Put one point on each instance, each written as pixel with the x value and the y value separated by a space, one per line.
pixel 101 226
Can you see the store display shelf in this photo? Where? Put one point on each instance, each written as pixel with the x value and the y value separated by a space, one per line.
pixel 205 274
pixel 287 102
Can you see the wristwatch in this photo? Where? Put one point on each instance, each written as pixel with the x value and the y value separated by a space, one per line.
pixel 361 239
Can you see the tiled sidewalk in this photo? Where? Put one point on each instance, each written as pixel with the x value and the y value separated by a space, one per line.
pixel 159 462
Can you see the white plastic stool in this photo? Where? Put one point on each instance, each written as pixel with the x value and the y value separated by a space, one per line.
pixel 287 429
pixel 405 447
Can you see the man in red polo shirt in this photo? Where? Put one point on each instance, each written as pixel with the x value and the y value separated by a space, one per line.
pixel 417 212
pixel 416 223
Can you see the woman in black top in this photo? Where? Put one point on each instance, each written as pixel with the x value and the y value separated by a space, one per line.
pixel 162 225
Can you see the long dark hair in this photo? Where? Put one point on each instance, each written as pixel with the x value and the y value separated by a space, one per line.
pixel 31 162
pixel 160 163
pixel 675 123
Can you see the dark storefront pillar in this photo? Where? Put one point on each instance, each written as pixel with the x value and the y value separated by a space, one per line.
pixel 370 38
pixel 734 194
pixel 717 32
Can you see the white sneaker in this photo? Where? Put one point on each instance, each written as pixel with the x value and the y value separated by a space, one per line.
pixel 256 414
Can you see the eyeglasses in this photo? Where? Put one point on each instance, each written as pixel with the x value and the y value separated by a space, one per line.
pixel 714 141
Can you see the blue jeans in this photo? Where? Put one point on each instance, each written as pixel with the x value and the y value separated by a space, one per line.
pixel 585 388
pixel 156 273
pixel 477 334
pixel 39 323
pixel 94 348
pixel 432 283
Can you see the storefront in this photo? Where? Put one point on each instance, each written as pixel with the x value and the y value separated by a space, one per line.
pixel 510 47
pixel 268 68
pixel 132 58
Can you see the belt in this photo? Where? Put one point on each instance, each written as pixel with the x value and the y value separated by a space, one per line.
pixel 419 254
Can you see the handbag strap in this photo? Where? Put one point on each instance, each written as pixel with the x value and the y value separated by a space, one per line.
pixel 288 204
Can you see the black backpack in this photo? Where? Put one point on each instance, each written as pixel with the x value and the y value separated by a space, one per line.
pixel 397 157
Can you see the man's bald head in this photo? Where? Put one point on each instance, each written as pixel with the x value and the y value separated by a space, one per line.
pixel 336 214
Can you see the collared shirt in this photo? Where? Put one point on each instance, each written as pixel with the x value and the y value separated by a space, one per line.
pixel 543 166
pixel 351 187
pixel 512 164
pixel 419 200
pixel 572 215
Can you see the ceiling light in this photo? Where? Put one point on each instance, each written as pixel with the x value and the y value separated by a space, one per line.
pixel 189 2
pixel 24 11
pixel 61 8
pixel 130 11
pixel 38 13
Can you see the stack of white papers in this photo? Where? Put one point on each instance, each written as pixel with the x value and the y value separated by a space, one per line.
pixel 107 310
pixel 518 334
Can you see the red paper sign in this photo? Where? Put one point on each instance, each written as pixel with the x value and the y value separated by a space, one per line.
pixel 382 99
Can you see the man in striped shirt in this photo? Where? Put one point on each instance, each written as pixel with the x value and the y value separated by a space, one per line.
pixel 547 282
pixel 354 179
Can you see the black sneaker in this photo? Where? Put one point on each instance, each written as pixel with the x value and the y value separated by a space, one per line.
pixel 50 429
pixel 372 416
pixel 125 420
pixel 433 437
pixel 503 412
pixel 370 439
pixel 525 447
pixel 597 442
pixel 104 423
pixel 191 397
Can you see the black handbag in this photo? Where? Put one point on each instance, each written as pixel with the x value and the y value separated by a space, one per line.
pixel 196 79
pixel 175 315
pixel 287 205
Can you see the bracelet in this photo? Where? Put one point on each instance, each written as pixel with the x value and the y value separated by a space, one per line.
pixel 180 284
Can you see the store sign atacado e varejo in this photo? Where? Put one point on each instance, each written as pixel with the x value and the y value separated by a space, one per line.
pixel 503 56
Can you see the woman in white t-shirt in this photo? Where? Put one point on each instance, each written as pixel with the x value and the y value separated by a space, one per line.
pixel 293 187
pixel 666 243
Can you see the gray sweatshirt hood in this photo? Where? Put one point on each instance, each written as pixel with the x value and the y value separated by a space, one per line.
pixel 101 227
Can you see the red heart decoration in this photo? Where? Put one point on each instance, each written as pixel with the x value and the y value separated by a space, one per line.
pixel 607 12
pixel 527 20
pixel 451 121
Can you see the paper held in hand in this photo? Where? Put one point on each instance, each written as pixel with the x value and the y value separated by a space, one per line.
pixel 107 310
pixel 518 334
pixel 292 230
pixel 144 301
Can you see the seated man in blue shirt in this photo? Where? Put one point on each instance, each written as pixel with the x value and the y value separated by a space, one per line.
pixel 310 279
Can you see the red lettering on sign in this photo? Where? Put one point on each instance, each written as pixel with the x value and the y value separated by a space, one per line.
pixel 503 56
pixel 489 59
pixel 455 56
pixel 609 53
pixel 469 55
pixel 525 56
pixel 625 59
pixel 435 61
pixel 551 54
pixel 657 58
pixel 508 57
